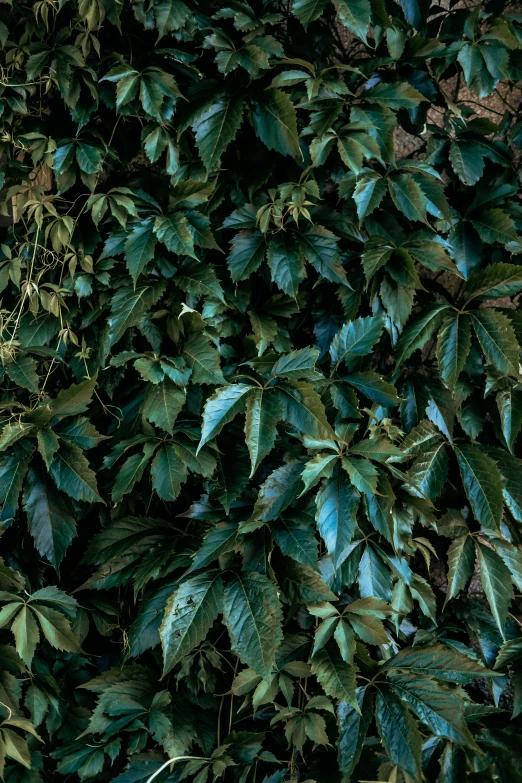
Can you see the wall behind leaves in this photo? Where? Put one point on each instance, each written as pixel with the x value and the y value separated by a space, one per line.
pixel 260 483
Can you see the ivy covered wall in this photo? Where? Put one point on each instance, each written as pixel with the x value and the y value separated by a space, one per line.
pixel 260 475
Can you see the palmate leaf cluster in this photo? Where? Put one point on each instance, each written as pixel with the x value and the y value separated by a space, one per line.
pixel 260 469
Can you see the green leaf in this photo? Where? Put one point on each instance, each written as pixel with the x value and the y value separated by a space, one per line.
pixel 437 706
pixel 144 631
pixel 511 469
pixel 12 474
pixel 170 15
pixel 56 629
pixel 131 471
pixel 419 331
pixel 356 338
pixel 49 519
pixel 127 307
pixel 75 399
pixel 48 445
pixel 337 502
pixel 465 247
pixel 232 476
pixel 13 432
pixel 200 279
pixel 286 264
pixel 399 95
pixel 512 557
pixel 363 474
pixel 379 506
pixel 510 408
pixel 10 610
pixel 467 161
pixel 72 474
pixel 275 123
pixel 303 409
pixel 23 373
pixel 381 122
pixel 297 541
pixel 296 364
pixel 219 540
pixel 263 412
pixel 482 483
pixel 37 331
pixel 302 584
pixel 189 614
pixel 372 385
pixel 453 347
pixel 265 331
pixel 429 472
pixel 494 225
pixel 355 15
pixel 336 677
pixel 173 231
pixel 496 581
pixel 168 472
pixel 399 733
pixel 78 431
pixel 368 628
pixel 162 404
pixel 443 663
pixel 497 339
pixel 319 247
pixel 26 635
pixel 470 58
pixel 441 410
pixel 253 617
pixel 216 128
pixel 353 724
pixel 423 593
pixel 320 466
pixel 368 194
pixel 510 650
pixel 89 158
pixel 203 360
pixel 117 537
pixel 139 248
pixel 221 408
pixel 246 255
pixel 461 561
pixel 154 85
pixel 495 282
pixel 432 255
pixel 374 577
pixel 277 492
pixel 199 228
pixel 408 197
pixel 308 10
pixel 379 449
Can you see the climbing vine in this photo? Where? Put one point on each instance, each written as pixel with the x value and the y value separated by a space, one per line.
pixel 260 475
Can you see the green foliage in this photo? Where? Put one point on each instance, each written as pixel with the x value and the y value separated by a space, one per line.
pixel 260 457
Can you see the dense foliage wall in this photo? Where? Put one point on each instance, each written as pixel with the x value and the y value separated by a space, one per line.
pixel 260 484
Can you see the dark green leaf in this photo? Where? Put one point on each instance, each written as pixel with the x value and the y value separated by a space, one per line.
pixel 399 733
pixel 189 615
pixel 50 520
pixel 275 123
pixel 252 615
pixel 483 485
